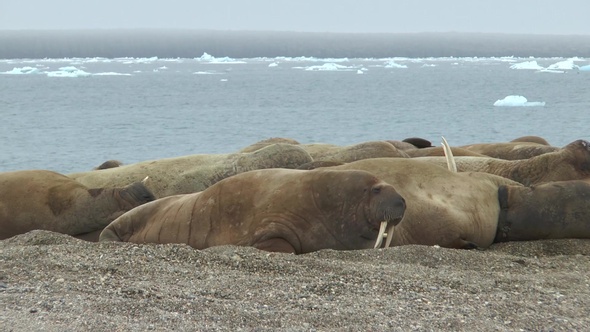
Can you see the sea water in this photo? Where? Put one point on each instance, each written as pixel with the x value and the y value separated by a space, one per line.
pixel 71 115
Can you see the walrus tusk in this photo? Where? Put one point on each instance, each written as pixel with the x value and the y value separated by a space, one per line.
pixel 145 179
pixel 381 233
pixel 449 156
pixel 389 235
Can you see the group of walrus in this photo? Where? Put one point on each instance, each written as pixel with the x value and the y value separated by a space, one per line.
pixel 283 196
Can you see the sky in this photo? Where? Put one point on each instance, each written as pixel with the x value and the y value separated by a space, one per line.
pixel 397 16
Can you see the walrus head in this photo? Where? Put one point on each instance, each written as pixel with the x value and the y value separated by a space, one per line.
pixel 357 206
pixel 389 208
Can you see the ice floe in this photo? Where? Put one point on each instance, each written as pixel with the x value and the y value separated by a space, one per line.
pixel 516 101
pixel 22 71
pixel 208 58
pixel 533 65
pixel 330 66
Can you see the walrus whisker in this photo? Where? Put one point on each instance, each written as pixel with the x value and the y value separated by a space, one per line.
pixel 380 235
pixel 451 164
pixel 389 235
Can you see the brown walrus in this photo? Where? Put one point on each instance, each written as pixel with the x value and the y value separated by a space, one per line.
pixel 189 174
pixel 511 150
pixel 571 162
pixel 109 164
pixel 282 210
pixel 552 210
pixel 531 139
pixel 40 199
pixel 439 152
pixel 470 209
pixel 364 150
pixel 454 210
pixel 266 142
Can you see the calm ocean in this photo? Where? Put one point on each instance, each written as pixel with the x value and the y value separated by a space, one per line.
pixel 72 114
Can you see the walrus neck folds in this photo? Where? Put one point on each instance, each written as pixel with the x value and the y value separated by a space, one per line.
pixel 504 225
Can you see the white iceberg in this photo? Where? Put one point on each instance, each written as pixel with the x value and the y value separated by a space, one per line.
pixel 516 101
pixel 111 73
pixel 69 71
pixel 527 65
pixel 330 66
pixel 393 64
pixel 274 64
pixel 211 59
pixel 563 65
pixel 22 71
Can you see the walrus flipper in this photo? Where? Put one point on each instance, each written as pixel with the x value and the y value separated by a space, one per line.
pixel 108 235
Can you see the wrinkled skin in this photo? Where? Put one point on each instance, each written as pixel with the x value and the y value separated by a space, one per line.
pixel 454 210
pixel 571 162
pixel 554 210
pixel 194 173
pixel 511 150
pixel 39 199
pixel 281 210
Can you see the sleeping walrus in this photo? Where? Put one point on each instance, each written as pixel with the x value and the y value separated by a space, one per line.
pixel 282 210
pixel 40 199
pixel 193 173
pixel 572 162
pixel 471 209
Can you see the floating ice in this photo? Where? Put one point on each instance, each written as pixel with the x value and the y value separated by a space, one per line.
pixel 563 65
pixel 274 64
pixel 393 64
pixel 330 66
pixel 515 101
pixel 22 71
pixel 527 65
pixel 585 68
pixel 111 74
pixel 69 71
pixel 428 65
pixel 211 59
pixel 359 72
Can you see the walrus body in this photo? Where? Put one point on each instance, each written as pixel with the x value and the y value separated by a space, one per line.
pixel 571 162
pixel 194 173
pixel 438 151
pixel 454 210
pixel 511 150
pixel 365 150
pixel 281 210
pixel 465 210
pixel 39 199
pixel 552 210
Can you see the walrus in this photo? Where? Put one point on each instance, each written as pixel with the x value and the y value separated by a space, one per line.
pixel 46 200
pixel 572 162
pixel 473 210
pixel 364 150
pixel 282 210
pixel 511 150
pixel 418 142
pixel 531 139
pixel 453 210
pixel 266 142
pixel 554 210
pixel 194 173
pixel 437 151
pixel 109 164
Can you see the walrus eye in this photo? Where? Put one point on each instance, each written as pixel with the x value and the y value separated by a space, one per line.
pixel 376 190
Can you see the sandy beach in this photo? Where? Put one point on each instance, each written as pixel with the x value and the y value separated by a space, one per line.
pixel 53 282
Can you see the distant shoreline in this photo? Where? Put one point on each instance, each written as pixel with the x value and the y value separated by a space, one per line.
pixel 252 44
